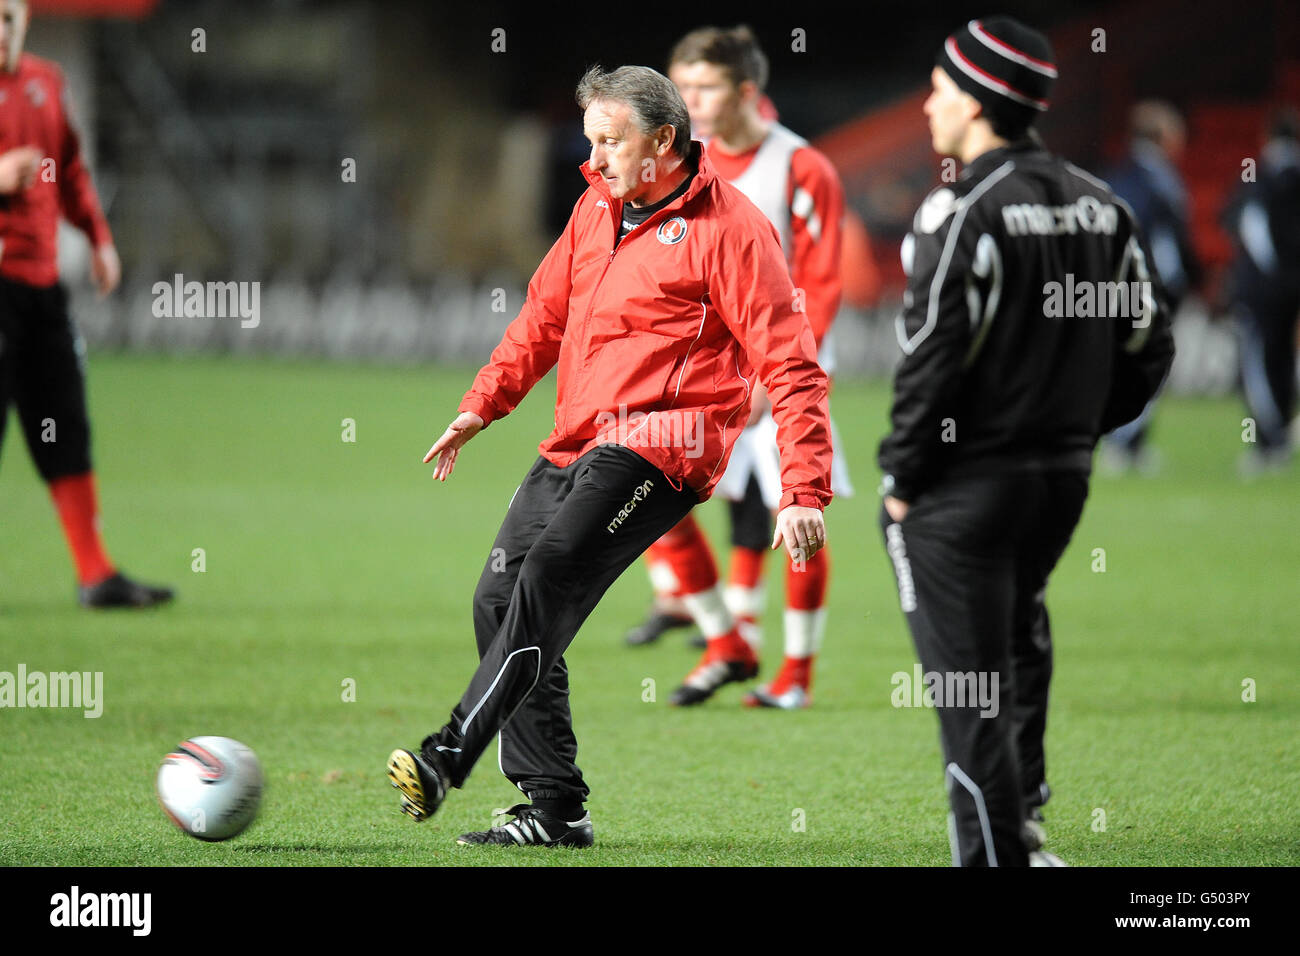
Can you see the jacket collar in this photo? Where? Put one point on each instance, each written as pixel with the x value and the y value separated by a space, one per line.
pixel 984 163
pixel 696 158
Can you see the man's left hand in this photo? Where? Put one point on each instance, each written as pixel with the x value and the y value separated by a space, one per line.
pixel 802 529
pixel 105 268
pixel 896 507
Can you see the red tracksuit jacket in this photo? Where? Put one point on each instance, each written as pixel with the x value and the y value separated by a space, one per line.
pixel 659 340
pixel 32 113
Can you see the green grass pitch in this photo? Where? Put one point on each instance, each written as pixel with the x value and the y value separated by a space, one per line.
pixel 328 561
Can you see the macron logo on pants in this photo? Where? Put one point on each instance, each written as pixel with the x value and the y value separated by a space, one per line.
pixel 641 493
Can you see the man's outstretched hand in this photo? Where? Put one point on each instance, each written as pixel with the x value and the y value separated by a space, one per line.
pixel 802 529
pixel 445 449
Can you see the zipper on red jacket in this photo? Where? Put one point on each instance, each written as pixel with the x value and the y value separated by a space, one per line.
pixel 617 218
pixel 586 320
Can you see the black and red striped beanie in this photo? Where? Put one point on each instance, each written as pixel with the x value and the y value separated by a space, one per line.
pixel 1004 64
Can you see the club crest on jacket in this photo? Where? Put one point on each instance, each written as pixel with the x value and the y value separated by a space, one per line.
pixel 672 231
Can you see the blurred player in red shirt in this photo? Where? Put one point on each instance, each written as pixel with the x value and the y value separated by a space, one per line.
pixel 721 75
pixel 41 355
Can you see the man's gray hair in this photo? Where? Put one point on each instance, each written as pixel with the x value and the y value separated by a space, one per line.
pixel 650 95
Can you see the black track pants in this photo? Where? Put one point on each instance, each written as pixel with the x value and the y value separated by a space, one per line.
pixel 567 536
pixel 42 373
pixel 1266 323
pixel 972 558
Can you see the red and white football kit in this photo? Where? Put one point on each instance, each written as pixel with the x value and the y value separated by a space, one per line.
pixel 798 190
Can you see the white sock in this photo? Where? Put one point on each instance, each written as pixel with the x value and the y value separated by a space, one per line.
pixel 804 631
pixel 746 602
pixel 746 605
pixel 662 578
pixel 710 612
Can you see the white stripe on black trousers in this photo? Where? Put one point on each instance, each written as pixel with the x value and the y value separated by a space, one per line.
pixel 558 551
pixel 973 556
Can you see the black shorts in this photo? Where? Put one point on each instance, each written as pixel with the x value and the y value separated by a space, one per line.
pixel 42 373
pixel 751 522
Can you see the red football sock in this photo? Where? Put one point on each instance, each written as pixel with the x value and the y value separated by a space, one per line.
pixel 74 498
pixel 744 594
pixel 794 670
pixel 746 568
pixel 730 646
pixel 806 590
pixel 659 566
pixel 805 620
pixel 691 558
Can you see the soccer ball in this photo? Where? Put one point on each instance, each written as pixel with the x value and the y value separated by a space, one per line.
pixel 210 787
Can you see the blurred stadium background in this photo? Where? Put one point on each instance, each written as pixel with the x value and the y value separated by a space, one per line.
pixel 226 164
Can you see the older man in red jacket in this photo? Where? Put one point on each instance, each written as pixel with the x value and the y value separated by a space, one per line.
pixel 664 302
